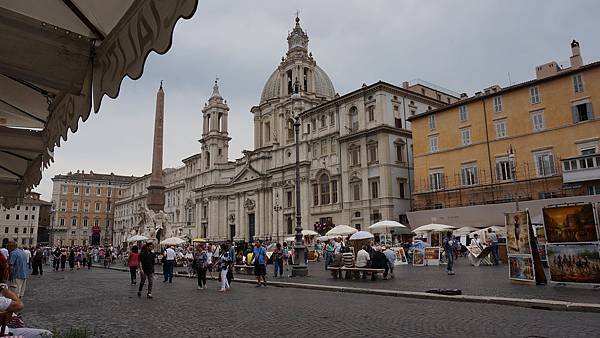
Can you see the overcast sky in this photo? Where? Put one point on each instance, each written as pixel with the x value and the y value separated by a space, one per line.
pixel 464 46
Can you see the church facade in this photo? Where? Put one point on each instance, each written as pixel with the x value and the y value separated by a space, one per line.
pixel 355 155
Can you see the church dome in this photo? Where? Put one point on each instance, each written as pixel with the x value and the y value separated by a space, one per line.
pixel 323 85
pixel 320 83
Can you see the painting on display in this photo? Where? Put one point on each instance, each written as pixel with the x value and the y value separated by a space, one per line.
pixel 542 251
pixel 517 233
pixel 574 263
pixel 435 239
pixel 418 258
pixel 568 224
pixel 432 255
pixel 400 256
pixel 521 268
pixel 540 234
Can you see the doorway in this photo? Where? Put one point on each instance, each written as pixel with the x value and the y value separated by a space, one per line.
pixel 251 227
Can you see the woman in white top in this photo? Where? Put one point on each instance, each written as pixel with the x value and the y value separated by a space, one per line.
pixel 209 258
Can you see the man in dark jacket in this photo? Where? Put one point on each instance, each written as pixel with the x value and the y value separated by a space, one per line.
pixel 147 266
pixel 37 261
pixel 378 261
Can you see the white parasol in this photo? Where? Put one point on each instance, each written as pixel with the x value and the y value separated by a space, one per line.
pixel 137 238
pixel 306 232
pixel 341 230
pixel 361 235
pixel 324 238
pixel 464 231
pixel 290 239
pixel 386 226
pixel 172 241
pixel 433 227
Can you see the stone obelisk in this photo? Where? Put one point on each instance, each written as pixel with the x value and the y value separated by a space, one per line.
pixel 156 189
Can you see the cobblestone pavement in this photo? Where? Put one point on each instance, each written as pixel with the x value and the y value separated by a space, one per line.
pixel 475 281
pixel 105 301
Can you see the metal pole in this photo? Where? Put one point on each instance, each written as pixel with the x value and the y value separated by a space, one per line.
pixel 299 268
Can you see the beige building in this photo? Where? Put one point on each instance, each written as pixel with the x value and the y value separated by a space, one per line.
pixel 537 140
pixel 84 207
pixel 20 223
pixel 355 162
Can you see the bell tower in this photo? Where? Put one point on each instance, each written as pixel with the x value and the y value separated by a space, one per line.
pixel 215 136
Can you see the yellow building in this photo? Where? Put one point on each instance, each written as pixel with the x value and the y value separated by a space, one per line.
pixel 534 140
pixel 83 206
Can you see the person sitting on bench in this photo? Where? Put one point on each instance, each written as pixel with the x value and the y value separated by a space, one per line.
pixel 379 262
pixel 363 260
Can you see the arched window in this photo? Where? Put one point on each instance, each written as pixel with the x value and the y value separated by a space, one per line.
pixel 353 117
pixel 323 121
pixel 220 122
pixel 324 183
pixel 208 126
pixel 207 160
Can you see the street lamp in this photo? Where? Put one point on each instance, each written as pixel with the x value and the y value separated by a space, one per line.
pixel 277 208
pixel 513 173
pixel 299 268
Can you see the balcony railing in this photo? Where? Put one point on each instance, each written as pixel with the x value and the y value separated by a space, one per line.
pixel 581 168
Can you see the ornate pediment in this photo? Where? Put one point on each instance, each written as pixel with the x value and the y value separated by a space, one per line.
pixel 249 204
pixel 246 174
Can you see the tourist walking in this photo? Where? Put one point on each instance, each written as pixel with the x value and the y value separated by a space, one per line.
pixel 133 261
pixel 169 257
pixel 63 258
pixel 260 263
pixel 449 248
pixel 147 265
pixel 88 257
pixel 231 250
pixel 72 259
pixel 224 266
pixel 277 258
pixel 200 264
pixel 79 258
pixel 56 259
pixel 4 268
pixel 493 239
pixel 17 260
pixel 209 257
pixel 37 261
pixel 329 248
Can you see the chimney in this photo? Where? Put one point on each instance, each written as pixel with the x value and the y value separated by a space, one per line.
pixel 576 60
pixel 463 95
pixel 405 84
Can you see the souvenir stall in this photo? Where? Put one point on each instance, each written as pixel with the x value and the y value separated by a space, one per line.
pixel 434 234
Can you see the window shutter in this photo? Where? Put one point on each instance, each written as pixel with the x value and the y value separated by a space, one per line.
pixel 499 171
pixel 588 107
pixel 575 115
pixel 551 164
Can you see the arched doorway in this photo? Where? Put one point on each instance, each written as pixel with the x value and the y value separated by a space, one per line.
pixel 5 242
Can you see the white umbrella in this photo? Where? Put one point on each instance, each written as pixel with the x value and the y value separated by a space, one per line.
pixel 137 238
pixel 463 231
pixel 434 227
pixel 341 230
pixel 324 238
pixel 172 241
pixel 290 239
pixel 306 232
pixel 386 226
pixel 361 235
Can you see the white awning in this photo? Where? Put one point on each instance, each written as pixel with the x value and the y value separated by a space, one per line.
pixel 58 58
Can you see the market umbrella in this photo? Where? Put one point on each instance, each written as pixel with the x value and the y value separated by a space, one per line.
pixel 137 238
pixel 290 239
pixel 57 61
pixel 386 227
pixel 434 227
pixel 361 235
pixel 199 240
pixel 341 230
pixel 306 232
pixel 172 241
pixel 324 238
pixel 463 231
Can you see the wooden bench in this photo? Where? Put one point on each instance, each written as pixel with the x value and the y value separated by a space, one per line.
pixel 248 269
pixel 336 271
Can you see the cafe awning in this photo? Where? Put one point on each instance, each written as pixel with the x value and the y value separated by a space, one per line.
pixel 58 58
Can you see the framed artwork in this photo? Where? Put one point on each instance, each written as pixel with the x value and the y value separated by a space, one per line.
pixel 517 233
pixel 400 256
pixel 521 268
pixel 542 251
pixel 432 255
pixel 418 258
pixel 574 263
pixel 570 224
